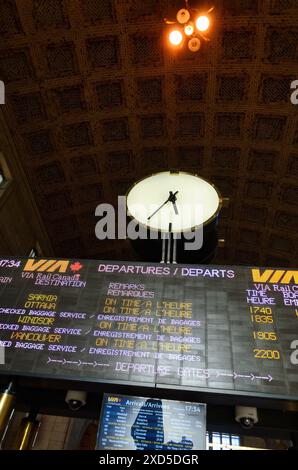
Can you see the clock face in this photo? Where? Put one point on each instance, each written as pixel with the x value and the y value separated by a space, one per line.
pixel 181 199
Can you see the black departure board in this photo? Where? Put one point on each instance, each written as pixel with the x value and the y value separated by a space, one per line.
pixel 209 328
pixel 138 423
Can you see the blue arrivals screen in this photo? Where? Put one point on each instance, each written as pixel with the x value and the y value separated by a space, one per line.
pixel 137 423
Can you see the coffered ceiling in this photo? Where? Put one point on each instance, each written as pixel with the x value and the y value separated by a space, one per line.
pixel 96 99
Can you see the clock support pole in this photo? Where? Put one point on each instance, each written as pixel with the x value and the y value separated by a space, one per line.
pixel 163 249
pixel 174 249
pixel 169 247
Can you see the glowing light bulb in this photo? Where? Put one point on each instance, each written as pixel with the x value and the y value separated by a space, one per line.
pixel 175 37
pixel 189 29
pixel 194 44
pixel 183 16
pixel 203 23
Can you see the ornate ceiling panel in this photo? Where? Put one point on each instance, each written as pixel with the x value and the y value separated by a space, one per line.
pixel 96 100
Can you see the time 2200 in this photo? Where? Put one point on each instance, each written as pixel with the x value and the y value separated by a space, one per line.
pixel 267 354
pixel 9 263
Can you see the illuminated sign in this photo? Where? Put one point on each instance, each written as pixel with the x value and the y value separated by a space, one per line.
pixel 51 266
pixel 137 423
pixel 275 276
pixel 206 328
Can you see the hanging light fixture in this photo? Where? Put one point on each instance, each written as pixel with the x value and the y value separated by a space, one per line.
pixel 175 37
pixel 194 44
pixel 189 29
pixel 183 16
pixel 202 23
pixel 191 23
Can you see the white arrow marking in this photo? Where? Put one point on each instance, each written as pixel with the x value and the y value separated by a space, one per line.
pixel 268 377
pixel 242 376
pixel 222 374
pixel 79 363
pixel 53 360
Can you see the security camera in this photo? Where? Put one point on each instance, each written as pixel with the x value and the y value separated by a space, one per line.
pixel 247 416
pixel 76 399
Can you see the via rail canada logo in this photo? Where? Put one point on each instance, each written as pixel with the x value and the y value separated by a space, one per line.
pixel 52 266
pixel 275 276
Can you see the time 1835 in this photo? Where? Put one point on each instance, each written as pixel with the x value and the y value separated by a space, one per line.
pixel 261 314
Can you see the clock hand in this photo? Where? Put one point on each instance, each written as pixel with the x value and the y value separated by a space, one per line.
pixel 171 198
pixel 175 208
pixel 158 209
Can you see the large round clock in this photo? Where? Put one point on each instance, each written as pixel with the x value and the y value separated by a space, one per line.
pixel 174 207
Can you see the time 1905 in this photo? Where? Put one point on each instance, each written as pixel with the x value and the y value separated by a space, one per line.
pixel 265 335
